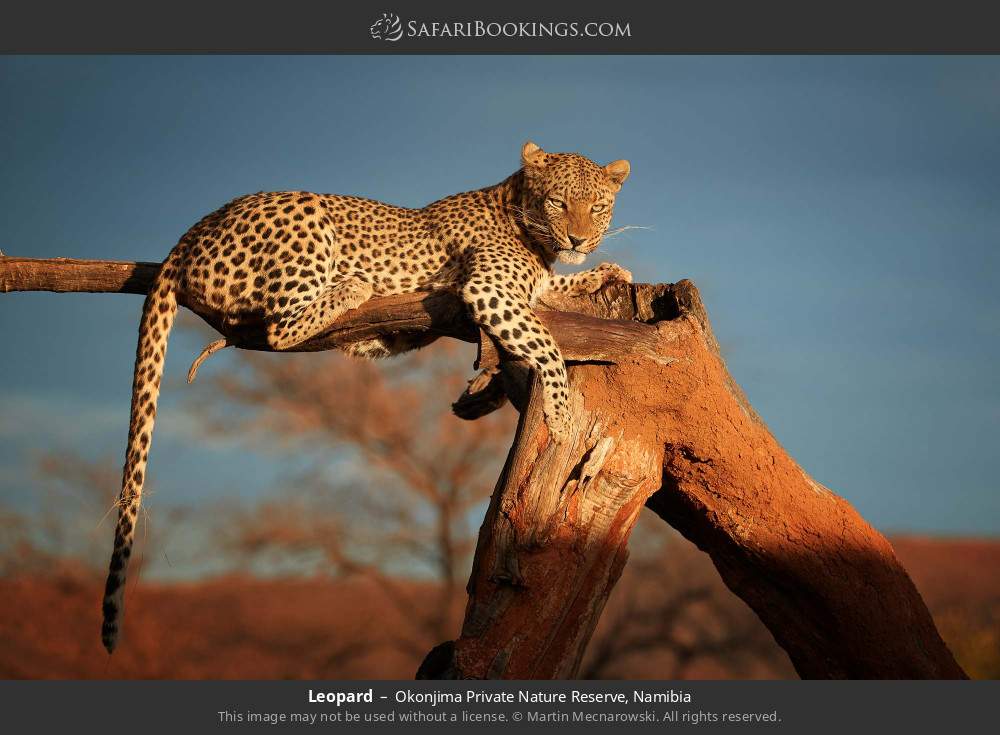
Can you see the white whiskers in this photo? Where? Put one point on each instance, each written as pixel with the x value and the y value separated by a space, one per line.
pixel 624 228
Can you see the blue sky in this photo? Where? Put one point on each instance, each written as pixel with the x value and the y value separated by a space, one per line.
pixel 838 213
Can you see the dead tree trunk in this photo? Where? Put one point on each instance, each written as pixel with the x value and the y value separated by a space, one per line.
pixel 661 423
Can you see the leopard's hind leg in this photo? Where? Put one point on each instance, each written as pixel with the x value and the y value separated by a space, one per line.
pixel 295 325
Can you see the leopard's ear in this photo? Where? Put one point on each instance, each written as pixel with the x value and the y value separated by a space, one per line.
pixel 618 171
pixel 532 155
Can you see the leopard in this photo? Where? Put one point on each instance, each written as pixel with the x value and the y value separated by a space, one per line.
pixel 291 263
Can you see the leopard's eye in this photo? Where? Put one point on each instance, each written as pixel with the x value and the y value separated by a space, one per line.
pixel 557 203
pixel 598 208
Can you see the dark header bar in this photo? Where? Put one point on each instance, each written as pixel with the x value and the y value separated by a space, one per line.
pixel 514 26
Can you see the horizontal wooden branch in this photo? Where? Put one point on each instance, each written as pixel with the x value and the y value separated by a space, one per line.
pixel 441 313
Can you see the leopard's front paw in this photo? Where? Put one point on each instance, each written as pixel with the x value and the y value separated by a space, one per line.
pixel 558 422
pixel 611 272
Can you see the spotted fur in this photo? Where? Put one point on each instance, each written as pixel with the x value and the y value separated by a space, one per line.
pixel 295 261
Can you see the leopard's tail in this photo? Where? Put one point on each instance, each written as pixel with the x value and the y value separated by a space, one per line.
pixel 157 318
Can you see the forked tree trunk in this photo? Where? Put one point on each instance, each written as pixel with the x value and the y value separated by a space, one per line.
pixel 660 423
pixel 670 428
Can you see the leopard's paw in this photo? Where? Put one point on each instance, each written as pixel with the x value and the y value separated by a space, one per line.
pixel 611 272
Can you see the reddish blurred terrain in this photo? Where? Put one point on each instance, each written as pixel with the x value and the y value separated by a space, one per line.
pixel 227 628
pixel 257 628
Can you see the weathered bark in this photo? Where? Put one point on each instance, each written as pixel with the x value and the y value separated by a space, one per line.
pixel 661 423
pixel 824 582
pixel 555 537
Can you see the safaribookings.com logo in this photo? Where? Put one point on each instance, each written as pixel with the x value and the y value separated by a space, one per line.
pixel 387 28
pixel 390 28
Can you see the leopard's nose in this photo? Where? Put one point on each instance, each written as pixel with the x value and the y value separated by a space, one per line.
pixel 577 241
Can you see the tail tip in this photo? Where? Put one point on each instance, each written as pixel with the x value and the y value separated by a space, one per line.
pixel 109 637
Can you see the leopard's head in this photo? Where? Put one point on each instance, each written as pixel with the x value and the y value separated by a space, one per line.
pixel 570 200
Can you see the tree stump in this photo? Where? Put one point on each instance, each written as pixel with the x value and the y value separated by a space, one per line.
pixel 668 427
pixel 661 423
